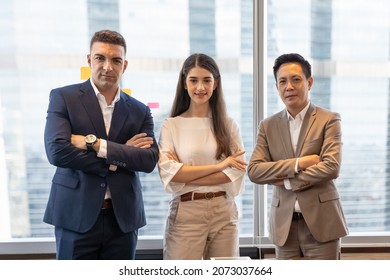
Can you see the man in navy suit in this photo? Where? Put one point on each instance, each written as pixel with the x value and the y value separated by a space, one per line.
pixel 99 138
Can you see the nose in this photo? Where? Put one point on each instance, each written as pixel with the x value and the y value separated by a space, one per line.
pixel 289 85
pixel 200 86
pixel 107 65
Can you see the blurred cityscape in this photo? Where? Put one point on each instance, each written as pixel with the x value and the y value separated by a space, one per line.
pixel 45 43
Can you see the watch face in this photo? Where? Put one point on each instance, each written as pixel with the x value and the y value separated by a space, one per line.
pixel 90 138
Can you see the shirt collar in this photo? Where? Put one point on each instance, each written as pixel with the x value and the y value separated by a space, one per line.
pixel 300 115
pixel 95 89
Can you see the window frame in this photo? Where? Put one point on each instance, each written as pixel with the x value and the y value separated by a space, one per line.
pixel 39 246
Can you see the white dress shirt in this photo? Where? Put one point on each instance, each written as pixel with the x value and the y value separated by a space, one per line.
pixel 107 111
pixel 295 129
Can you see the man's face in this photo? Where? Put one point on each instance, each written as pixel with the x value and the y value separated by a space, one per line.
pixel 107 62
pixel 293 87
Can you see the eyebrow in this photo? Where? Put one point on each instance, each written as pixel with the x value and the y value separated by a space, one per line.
pixel 293 76
pixel 116 57
pixel 195 77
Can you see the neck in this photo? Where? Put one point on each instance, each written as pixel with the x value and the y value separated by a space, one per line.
pixel 197 112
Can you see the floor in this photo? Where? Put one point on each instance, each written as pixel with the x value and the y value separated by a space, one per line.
pixel 353 256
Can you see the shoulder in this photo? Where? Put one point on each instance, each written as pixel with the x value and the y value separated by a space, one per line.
pixel 324 113
pixel 174 121
pixel 69 92
pixel 72 88
pixel 275 117
pixel 175 124
pixel 131 100
pixel 232 123
pixel 167 122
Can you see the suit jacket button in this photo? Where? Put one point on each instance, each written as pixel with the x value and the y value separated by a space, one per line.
pixel 102 185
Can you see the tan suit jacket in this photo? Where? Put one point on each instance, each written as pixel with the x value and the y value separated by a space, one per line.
pixel 274 159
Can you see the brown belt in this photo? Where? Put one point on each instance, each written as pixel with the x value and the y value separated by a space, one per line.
pixel 107 204
pixel 195 196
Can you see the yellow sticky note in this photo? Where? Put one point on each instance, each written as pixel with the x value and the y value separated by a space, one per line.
pixel 85 72
pixel 127 90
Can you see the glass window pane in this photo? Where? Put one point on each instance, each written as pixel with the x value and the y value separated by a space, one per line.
pixel 44 45
pixel 347 43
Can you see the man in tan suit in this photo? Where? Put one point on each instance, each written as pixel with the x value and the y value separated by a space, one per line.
pixel 298 151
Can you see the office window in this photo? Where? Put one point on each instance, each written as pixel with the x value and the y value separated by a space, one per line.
pixel 347 43
pixel 44 45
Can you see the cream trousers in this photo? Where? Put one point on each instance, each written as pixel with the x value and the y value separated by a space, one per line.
pixel 201 229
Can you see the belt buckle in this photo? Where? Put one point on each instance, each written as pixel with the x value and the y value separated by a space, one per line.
pixel 209 195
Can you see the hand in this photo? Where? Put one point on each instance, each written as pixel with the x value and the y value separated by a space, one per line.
pixel 233 161
pixel 307 161
pixel 172 156
pixel 78 141
pixel 140 140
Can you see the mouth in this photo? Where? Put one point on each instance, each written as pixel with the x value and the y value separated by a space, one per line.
pixel 108 76
pixel 290 96
pixel 200 93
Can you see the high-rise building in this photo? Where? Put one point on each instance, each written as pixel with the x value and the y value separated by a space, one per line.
pixel 349 59
pixel 46 46
pixel 45 43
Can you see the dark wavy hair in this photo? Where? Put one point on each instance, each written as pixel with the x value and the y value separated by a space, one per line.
pixel 110 37
pixel 182 101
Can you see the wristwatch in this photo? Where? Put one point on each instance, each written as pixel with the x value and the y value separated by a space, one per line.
pixel 90 140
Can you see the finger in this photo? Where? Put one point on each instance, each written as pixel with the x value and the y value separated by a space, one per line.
pixel 145 146
pixel 144 140
pixel 138 136
pixel 239 153
pixel 169 155
pixel 239 164
pixel 239 161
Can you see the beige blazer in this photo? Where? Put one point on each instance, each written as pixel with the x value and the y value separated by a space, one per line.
pixel 273 159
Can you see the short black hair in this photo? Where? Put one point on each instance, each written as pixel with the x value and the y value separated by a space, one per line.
pixel 108 36
pixel 291 58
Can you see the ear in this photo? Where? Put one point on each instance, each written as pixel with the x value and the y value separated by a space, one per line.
pixel 216 84
pixel 89 59
pixel 125 66
pixel 310 82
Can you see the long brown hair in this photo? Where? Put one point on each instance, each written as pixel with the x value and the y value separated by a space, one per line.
pixel 182 101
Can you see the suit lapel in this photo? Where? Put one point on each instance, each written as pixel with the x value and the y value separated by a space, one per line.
pixel 91 105
pixel 307 123
pixel 119 116
pixel 284 132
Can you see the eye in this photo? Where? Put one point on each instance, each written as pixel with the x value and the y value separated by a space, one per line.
pixel 117 61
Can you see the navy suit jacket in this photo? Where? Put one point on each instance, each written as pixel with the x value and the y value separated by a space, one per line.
pixel 81 178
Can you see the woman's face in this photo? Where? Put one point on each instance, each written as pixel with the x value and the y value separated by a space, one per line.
pixel 200 84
